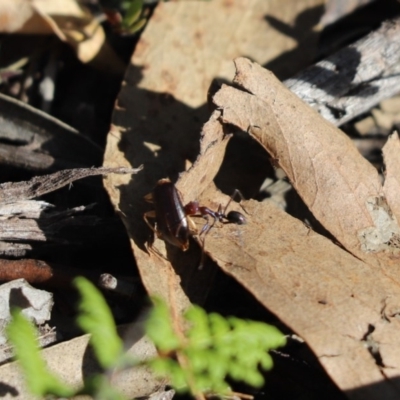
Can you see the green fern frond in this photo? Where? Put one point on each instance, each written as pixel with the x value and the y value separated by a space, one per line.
pixel 39 380
pixel 95 318
pixel 215 348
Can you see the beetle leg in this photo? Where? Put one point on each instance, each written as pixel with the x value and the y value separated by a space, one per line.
pixel 155 251
pixel 149 198
pixel 151 214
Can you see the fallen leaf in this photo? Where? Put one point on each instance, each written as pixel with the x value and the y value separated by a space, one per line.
pixel 339 186
pixel 72 362
pixel 344 308
pixel 391 187
pixel 67 19
pixel 161 108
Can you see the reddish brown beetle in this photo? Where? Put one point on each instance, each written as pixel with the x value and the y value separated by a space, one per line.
pixel 173 222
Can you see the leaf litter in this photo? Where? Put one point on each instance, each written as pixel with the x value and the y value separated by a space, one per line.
pixel 342 300
pixel 161 109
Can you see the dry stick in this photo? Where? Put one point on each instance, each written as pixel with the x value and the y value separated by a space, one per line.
pixel 356 78
pixel 61 276
pixel 40 185
pixel 334 9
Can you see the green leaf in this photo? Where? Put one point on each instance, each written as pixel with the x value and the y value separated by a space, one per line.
pixel 159 327
pixel 132 13
pixel 215 348
pixel 96 318
pixel 137 26
pixel 100 388
pixel 39 380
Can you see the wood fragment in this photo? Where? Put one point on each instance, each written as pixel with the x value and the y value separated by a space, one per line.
pixel 51 275
pixel 37 141
pixel 356 78
pixel 40 185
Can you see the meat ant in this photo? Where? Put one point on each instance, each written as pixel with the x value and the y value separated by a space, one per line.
pixel 173 220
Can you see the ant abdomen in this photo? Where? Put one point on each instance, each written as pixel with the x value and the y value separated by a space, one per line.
pixel 235 217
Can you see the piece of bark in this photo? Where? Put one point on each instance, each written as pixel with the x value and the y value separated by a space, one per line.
pixel 15 250
pixel 39 185
pixel 46 228
pixel 356 78
pixel 27 222
pixel 37 141
pixel 51 275
pixel 336 9
pixel 35 304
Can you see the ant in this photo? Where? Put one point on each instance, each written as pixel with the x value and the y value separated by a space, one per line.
pixel 193 209
pixel 173 222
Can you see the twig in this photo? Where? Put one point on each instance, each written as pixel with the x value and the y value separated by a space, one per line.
pixel 354 79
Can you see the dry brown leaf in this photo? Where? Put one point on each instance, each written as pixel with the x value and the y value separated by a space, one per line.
pixel 73 363
pixel 67 19
pixel 15 14
pixel 161 109
pixel 344 308
pixel 338 185
pixel 328 297
pixel 391 187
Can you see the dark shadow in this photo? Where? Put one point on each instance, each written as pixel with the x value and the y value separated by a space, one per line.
pixel 46 143
pixel 8 390
pixel 355 25
pixel 337 80
pixel 18 299
pixel 245 167
pixel 297 373
pixel 288 63
pixel 163 134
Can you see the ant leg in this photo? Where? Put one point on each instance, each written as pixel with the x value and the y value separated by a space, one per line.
pixel 235 193
pixel 206 227
pixel 204 231
pixel 149 198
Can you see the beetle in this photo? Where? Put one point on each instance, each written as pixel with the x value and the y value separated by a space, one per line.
pixel 172 224
pixel 173 220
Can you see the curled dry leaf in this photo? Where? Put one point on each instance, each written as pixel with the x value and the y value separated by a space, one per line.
pixel 161 109
pixel 391 187
pixel 340 187
pixel 344 308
